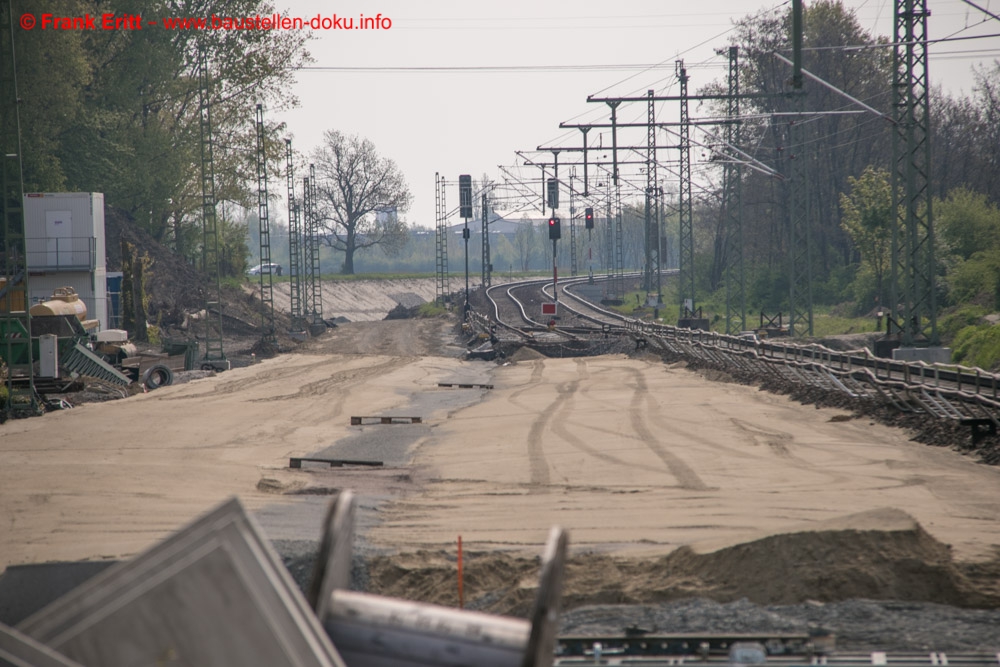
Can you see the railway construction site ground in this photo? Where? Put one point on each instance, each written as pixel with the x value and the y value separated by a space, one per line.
pixel 672 486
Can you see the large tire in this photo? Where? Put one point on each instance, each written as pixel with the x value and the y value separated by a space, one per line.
pixel 157 376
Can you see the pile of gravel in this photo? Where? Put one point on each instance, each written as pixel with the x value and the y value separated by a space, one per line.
pixel 856 625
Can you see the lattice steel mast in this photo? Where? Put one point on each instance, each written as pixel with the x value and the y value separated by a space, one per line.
pixel 653 262
pixel 15 320
pixel 685 287
pixel 487 266
pixel 315 294
pixel 619 244
pixel 800 298
pixel 573 267
pixel 214 354
pixel 294 236
pixel 264 228
pixel 442 286
pixel 912 285
pixel 732 208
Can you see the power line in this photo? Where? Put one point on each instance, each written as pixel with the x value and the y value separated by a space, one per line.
pixel 391 69
pixel 882 45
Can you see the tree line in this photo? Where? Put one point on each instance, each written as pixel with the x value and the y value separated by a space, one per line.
pixel 117 111
pixel 847 158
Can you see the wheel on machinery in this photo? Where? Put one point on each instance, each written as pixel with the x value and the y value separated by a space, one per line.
pixel 157 376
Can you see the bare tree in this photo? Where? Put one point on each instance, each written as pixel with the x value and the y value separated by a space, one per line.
pixel 524 242
pixel 359 195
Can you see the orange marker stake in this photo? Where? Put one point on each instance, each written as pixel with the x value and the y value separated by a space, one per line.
pixel 461 596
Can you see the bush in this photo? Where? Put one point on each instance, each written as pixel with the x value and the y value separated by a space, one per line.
pixel 978 346
pixel 431 309
pixel 976 279
pixel 966 316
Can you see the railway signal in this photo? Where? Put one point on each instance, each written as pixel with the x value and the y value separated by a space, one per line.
pixel 465 196
pixel 553 185
pixel 554 229
pixel 588 217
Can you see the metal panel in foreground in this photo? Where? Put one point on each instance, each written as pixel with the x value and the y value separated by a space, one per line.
pixel 214 593
pixel 372 631
pixel 18 650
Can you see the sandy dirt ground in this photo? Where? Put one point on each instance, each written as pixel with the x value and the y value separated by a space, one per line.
pixel 637 457
pixel 364 300
pixel 634 457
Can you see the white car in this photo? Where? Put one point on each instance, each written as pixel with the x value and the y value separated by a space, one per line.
pixel 265 268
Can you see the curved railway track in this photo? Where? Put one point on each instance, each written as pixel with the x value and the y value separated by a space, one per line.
pixel 516 306
pixel 970 396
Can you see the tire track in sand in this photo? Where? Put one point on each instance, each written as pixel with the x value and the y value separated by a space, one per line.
pixel 686 477
pixel 539 475
pixel 560 429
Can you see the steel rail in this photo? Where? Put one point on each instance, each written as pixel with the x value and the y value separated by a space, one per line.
pixel 951 392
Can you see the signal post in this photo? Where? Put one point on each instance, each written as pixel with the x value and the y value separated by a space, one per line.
pixel 554 235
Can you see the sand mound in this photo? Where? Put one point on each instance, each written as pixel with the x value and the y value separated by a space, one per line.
pixel 880 555
pixel 525 353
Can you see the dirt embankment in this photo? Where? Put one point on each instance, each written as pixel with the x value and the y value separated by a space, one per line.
pixel 886 556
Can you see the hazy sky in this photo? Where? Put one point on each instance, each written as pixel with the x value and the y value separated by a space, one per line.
pixel 536 62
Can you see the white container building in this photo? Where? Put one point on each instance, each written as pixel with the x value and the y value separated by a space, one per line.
pixel 64 240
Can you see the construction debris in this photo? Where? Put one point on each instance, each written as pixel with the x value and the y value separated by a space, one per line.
pixel 216 593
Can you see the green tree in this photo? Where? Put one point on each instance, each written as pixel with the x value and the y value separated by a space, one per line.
pixel 53 71
pixel 968 225
pixel 967 222
pixel 827 148
pixel 116 111
pixel 868 220
pixel 360 195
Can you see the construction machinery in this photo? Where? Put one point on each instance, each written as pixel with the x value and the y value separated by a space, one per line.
pixel 69 349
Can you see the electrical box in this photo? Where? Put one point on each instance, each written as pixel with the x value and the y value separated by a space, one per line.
pixel 48 356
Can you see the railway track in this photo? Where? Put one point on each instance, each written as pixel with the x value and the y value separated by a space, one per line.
pixel 518 306
pixel 969 396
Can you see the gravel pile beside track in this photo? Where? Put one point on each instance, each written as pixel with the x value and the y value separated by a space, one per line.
pixel 857 625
